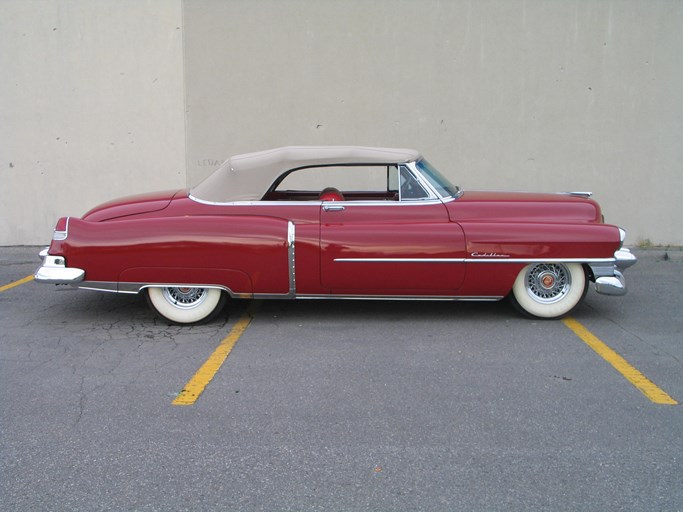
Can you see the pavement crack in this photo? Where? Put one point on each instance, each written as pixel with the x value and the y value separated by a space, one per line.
pixel 655 348
pixel 82 399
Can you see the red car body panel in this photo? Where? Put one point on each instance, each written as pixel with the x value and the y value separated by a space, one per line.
pixel 169 238
pixel 389 237
pixel 372 243
pixel 132 205
pixel 523 207
pixel 245 254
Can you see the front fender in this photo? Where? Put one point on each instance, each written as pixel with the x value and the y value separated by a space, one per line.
pixel 498 251
pixel 486 240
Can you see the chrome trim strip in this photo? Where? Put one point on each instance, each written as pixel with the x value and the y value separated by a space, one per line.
pixel 107 286
pixel 401 297
pixel 255 203
pixel 291 257
pixel 135 288
pixel 476 260
pixel 413 166
pixel 270 296
pixel 291 233
pixel 413 202
pixel 374 202
pixel 412 169
pixel 378 202
pixel 401 260
pixel 539 260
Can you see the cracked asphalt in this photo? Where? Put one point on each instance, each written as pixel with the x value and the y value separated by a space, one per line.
pixel 339 405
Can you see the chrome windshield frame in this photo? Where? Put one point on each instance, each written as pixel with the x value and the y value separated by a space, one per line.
pixel 415 168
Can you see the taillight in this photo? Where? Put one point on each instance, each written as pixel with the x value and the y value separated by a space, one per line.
pixel 61 229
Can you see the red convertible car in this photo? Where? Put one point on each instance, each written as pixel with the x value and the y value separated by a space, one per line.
pixel 339 222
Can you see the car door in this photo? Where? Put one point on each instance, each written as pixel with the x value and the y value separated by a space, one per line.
pixel 392 247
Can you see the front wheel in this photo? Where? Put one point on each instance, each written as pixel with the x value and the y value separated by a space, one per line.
pixel 549 290
pixel 186 305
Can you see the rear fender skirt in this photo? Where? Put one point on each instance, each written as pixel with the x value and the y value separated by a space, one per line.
pixel 231 280
pixel 236 283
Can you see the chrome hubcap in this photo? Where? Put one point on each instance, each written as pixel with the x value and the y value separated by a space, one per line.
pixel 184 297
pixel 548 282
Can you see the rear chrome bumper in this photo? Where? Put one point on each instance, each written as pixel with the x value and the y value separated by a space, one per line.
pixel 54 270
pixel 609 278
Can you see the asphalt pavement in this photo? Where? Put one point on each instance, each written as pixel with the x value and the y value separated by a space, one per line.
pixel 339 405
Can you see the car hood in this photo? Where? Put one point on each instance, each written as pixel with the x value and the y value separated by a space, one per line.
pixel 131 205
pixel 523 207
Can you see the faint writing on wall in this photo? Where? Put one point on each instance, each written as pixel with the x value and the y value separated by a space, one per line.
pixel 209 162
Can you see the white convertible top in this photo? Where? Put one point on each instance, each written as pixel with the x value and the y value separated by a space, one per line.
pixel 248 177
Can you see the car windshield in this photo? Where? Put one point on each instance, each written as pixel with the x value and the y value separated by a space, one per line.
pixel 437 180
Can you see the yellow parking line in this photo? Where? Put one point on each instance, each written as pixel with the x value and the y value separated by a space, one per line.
pixel 190 393
pixel 640 381
pixel 16 283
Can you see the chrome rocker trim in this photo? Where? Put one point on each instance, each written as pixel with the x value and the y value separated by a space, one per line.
pixel 459 298
pixel 54 271
pixel 135 288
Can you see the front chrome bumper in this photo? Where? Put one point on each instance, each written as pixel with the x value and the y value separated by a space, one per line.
pixel 54 270
pixel 609 278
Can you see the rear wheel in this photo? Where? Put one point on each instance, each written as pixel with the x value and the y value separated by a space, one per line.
pixel 186 305
pixel 549 290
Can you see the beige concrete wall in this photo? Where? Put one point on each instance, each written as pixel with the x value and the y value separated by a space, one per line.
pixel 91 107
pixel 527 95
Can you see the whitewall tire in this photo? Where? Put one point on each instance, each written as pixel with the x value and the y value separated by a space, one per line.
pixel 186 305
pixel 549 290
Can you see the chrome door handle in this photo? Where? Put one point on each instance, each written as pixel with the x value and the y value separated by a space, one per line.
pixel 333 208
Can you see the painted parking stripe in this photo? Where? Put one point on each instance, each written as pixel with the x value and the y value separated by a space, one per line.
pixel 630 373
pixel 196 385
pixel 16 283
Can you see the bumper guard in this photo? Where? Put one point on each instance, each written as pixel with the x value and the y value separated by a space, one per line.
pixel 609 278
pixel 54 270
